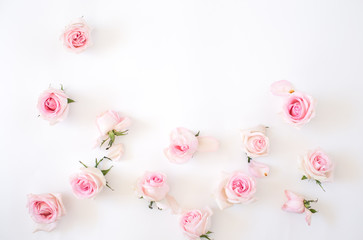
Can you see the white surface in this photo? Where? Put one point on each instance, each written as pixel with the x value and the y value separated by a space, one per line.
pixel 204 65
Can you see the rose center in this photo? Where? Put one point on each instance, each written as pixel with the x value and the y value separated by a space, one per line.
pixel 50 104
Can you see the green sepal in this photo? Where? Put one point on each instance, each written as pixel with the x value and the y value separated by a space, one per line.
pixel 69 100
pixel 304 177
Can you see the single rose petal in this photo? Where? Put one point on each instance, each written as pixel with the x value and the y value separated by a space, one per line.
pixel 207 144
pixel 308 214
pixel 116 152
pixel 281 88
pixel 258 169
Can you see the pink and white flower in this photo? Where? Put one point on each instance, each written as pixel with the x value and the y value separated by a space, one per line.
pixel 153 186
pixel 184 144
pixel 196 223
pixel 45 209
pixel 234 188
pixel 255 142
pixel 110 125
pixel 317 165
pixel 53 105
pixel 88 182
pixel 298 108
pixel 297 204
pixel 116 152
pixel 77 36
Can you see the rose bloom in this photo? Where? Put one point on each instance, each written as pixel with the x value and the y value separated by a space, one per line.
pixel 257 169
pixel 255 142
pixel 77 36
pixel 298 109
pixel 184 144
pixel 87 183
pixel 53 105
pixel 152 186
pixel 295 204
pixel 195 223
pixel 111 120
pixel 237 187
pixel 317 165
pixel 45 209
pixel 116 152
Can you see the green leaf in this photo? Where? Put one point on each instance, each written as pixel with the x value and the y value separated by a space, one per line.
pixel 304 177
pixel 111 135
pixel 197 134
pixel 104 172
pixel 209 232
pixel 313 210
pixel 204 236
pixel 83 164
pixel 109 187
pixel 319 183
pixel 62 87
pixel 70 100
pixel 120 133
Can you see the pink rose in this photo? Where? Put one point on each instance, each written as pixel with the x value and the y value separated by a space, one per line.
pixel 183 145
pixel 298 109
pixel 111 120
pixel 153 186
pixel 77 36
pixel 235 188
pixel 297 204
pixel 257 169
pixel 317 165
pixel 53 105
pixel 45 209
pixel 255 142
pixel 87 183
pixel 196 223
pixel 282 88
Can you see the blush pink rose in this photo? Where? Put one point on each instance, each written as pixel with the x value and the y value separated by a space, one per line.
pixel 317 165
pixel 255 142
pixel 77 36
pixel 282 88
pixel 53 105
pixel 195 223
pixel 237 187
pixel 111 120
pixel 298 109
pixel 257 169
pixel 297 204
pixel 116 152
pixel 87 183
pixel 45 209
pixel 153 186
pixel 184 144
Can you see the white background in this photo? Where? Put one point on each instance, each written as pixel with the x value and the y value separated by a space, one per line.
pixel 203 64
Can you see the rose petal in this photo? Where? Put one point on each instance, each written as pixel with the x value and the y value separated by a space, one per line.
pixel 258 169
pixel 281 88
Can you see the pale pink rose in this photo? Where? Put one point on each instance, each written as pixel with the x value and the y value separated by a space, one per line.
pixel 184 144
pixel 87 183
pixel 77 36
pixel 153 186
pixel 237 187
pixel 298 109
pixel 282 88
pixel 317 165
pixel 257 169
pixel 53 105
pixel 255 142
pixel 297 204
pixel 111 120
pixel 45 209
pixel 116 152
pixel 294 203
pixel 196 222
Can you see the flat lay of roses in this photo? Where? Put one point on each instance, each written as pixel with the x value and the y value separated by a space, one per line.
pixel 153 188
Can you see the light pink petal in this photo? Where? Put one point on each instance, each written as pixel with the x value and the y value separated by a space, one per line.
pixel 308 214
pixel 207 144
pixel 45 227
pixel 281 88
pixel 258 169
pixel 123 125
